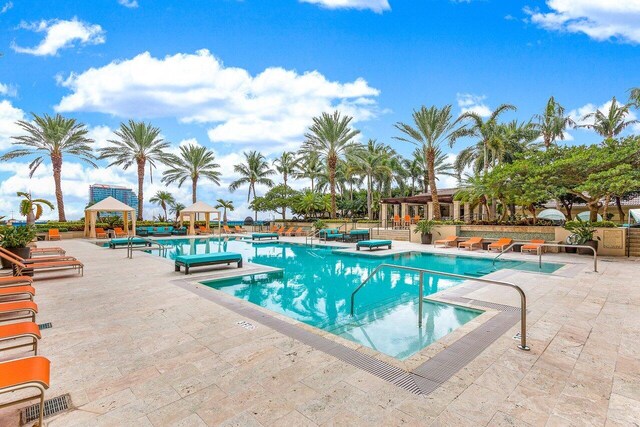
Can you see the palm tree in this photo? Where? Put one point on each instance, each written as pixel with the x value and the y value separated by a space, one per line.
pixel 552 123
pixel 137 142
pixel 176 208
pixel 310 167
pixel 163 199
pixel 32 208
pixel 432 127
pixel 372 162
pixel 285 165
pixel 441 165
pixel 52 137
pixel 634 97
pixel 255 170
pixel 330 136
pixel 195 161
pixel 611 123
pixel 225 205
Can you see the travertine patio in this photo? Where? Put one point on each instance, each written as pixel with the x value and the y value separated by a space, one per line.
pixel 134 348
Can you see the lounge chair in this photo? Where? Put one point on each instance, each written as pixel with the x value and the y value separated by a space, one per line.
pixel 260 236
pixel 299 232
pixel 25 373
pixel 373 244
pixel 53 258
pixel 239 229
pixel 533 245
pixel 227 230
pixel 198 260
pixel 407 220
pixel 101 234
pixel 469 244
pixel 17 310
pixel 17 293
pixel 20 331
pixel 282 230
pixel 501 244
pixel 45 251
pixel 358 235
pixel 448 242
pixel 202 230
pixel 290 232
pixel 19 267
pixel 15 280
pixel 119 232
pixel 274 229
pixel 135 241
pixel 396 220
pixel 54 234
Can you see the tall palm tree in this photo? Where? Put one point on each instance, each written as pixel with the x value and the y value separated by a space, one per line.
pixel 330 136
pixel 372 162
pixel 486 130
pixel 431 127
pixel 415 172
pixel 53 137
pixel 32 208
pixel 512 139
pixel 138 143
pixel 552 123
pixel 164 199
pixel 611 123
pixel 441 165
pixel 226 205
pixel 634 97
pixel 194 161
pixel 255 170
pixel 309 167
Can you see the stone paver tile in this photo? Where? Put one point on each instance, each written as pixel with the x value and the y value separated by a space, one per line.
pixel 530 405
pixel 293 418
pixel 580 410
pixel 244 419
pixel 111 402
pixel 477 403
pixel 623 411
pixel 500 378
pixel 500 419
pixel 449 418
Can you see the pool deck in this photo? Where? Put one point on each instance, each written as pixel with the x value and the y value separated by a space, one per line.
pixel 135 343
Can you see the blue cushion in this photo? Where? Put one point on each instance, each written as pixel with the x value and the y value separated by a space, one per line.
pixel 254 235
pixel 203 258
pixel 358 232
pixel 368 243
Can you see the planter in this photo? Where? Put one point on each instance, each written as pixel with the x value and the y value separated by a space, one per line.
pixel 426 238
pixel 21 252
pixel 592 243
pixel 570 250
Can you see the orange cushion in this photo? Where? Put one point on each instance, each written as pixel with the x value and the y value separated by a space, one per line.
pixel 16 280
pixel 22 328
pixel 7 307
pixel 12 290
pixel 24 371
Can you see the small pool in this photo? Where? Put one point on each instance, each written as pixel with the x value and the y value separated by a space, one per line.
pixel 315 283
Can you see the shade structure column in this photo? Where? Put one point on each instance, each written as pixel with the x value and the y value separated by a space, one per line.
pixel 430 211
pixel 383 214
pixel 125 222
pixel 92 224
pixel 467 212
pixel 133 223
pixel 192 229
pixel 456 210
pixel 206 220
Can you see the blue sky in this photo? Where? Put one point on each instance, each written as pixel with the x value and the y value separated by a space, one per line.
pixel 237 75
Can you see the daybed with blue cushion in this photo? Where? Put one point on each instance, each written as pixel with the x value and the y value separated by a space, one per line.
pixel 371 244
pixel 358 235
pixel 330 234
pixel 114 243
pixel 198 260
pixel 260 236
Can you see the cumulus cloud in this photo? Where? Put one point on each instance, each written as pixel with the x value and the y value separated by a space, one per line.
pixel 378 6
pixel 6 7
pixel 270 109
pixel 469 102
pixel 8 90
pixel 598 19
pixel 61 34
pixel 128 3
pixel 8 128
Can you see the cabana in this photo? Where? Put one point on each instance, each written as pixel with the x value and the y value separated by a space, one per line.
pixel 109 205
pixel 195 209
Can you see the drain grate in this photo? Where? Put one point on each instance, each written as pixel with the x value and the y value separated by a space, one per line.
pixel 248 326
pixel 51 407
pixel 47 325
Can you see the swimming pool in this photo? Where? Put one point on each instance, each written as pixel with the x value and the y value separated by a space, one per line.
pixel 315 283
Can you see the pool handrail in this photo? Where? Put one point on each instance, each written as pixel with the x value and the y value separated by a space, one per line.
pixel 162 248
pixel 554 245
pixel 423 271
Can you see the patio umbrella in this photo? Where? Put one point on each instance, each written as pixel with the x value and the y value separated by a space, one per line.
pixel 552 215
pixel 584 216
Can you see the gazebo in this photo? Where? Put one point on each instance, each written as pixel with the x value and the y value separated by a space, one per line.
pixel 108 205
pixel 196 208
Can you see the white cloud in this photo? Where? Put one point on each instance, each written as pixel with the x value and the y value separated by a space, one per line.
pixel 377 6
pixel 129 3
pixel 598 19
pixel 8 90
pixel 473 103
pixel 271 109
pixel 578 114
pixel 8 5
pixel 9 115
pixel 60 34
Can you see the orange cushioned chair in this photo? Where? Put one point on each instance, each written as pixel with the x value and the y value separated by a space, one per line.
pixel 54 234
pixel 19 266
pixel 26 373
pixel 17 293
pixel 469 244
pixel 18 310
pixel 532 246
pixel 20 331
pixel 502 243
pixel 50 250
pixel 119 232
pixel 15 280
pixel 447 242
pixel 101 234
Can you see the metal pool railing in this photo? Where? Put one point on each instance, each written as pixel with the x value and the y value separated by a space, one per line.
pixel 552 245
pixel 422 272
pixel 130 248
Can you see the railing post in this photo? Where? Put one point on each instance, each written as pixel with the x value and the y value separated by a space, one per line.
pixel 523 321
pixel 420 301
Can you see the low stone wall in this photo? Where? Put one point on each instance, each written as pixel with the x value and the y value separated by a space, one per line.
pixel 514 232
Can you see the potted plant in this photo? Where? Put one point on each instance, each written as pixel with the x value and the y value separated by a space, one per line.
pixel 15 239
pixel 582 235
pixel 424 227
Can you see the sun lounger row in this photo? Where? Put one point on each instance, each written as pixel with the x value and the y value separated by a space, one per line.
pixel 235 230
pixel 18 329
pixel 476 242
pixel 22 266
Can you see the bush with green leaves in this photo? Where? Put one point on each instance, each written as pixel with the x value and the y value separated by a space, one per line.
pixel 16 237
pixel 583 229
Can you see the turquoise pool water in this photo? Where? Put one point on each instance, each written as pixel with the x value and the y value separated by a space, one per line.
pixel 315 284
